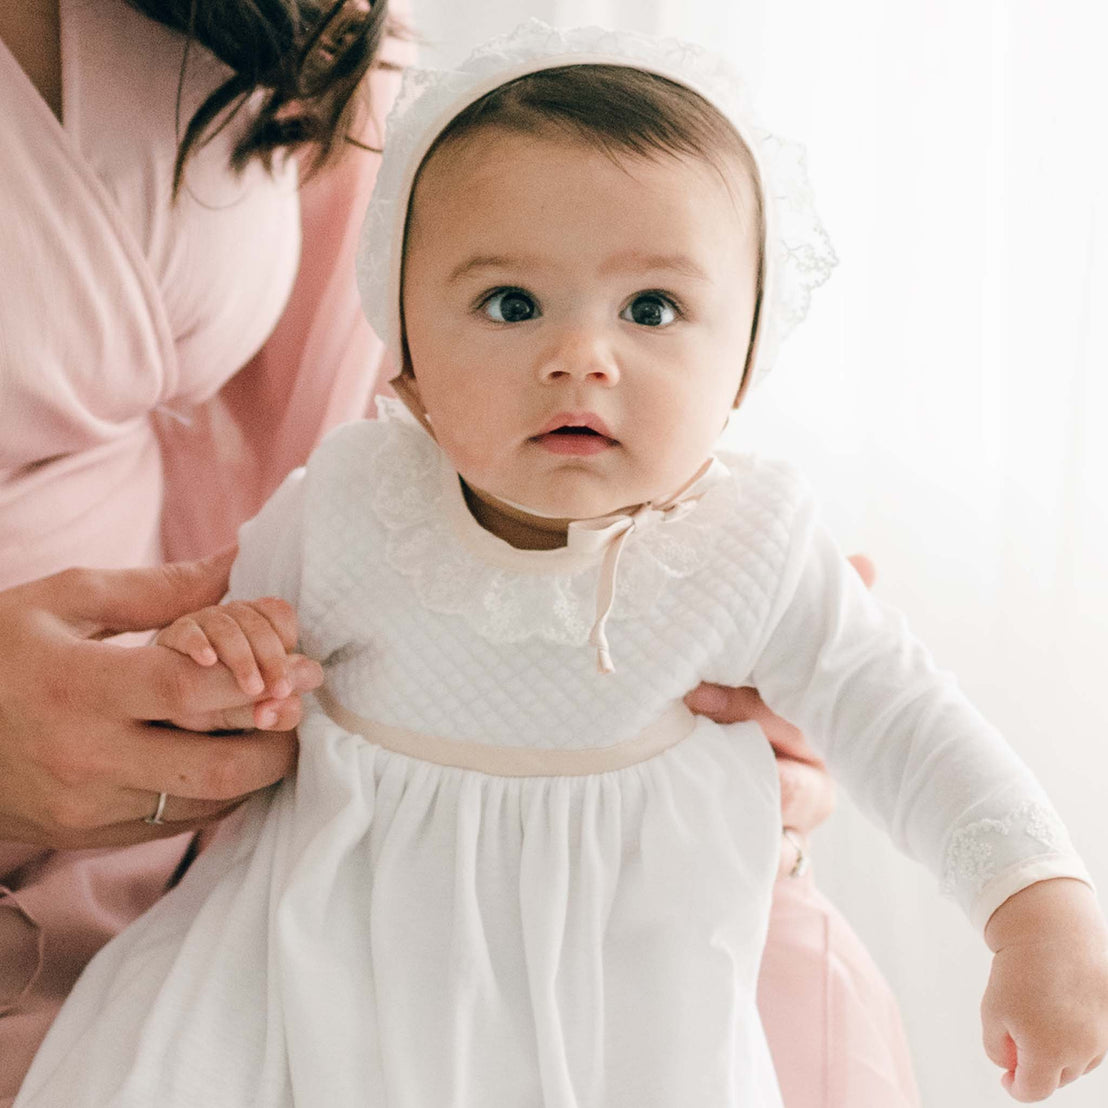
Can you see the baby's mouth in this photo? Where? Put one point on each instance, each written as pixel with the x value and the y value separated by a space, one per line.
pixel 583 425
pixel 574 439
pixel 576 431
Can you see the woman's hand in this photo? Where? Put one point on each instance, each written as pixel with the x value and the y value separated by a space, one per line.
pixel 807 791
pixel 82 757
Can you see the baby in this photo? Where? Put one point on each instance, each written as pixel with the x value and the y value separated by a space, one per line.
pixel 513 869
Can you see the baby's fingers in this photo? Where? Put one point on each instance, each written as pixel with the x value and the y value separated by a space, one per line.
pixel 281 617
pixel 1036 1077
pixel 224 629
pixel 999 1045
pixel 266 641
pixel 276 715
pixel 187 637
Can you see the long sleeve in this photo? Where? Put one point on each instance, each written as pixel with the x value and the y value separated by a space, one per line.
pixel 914 753
pixel 269 558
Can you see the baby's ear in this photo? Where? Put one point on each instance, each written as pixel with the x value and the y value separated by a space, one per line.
pixel 407 389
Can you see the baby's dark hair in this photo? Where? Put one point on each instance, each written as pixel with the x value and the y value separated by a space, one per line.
pixel 620 111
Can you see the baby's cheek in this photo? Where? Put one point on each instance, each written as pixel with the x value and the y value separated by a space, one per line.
pixel 471 449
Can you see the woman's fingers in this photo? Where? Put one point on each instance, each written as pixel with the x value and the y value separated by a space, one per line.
pixel 726 705
pixel 807 794
pixel 180 818
pixel 197 766
pixel 105 680
pixel 101 602
pixel 108 681
pixel 865 569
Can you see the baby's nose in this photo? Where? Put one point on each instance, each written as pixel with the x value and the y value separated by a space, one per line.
pixel 579 354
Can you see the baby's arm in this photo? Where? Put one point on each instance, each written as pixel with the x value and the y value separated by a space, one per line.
pixel 924 763
pixel 254 640
pixel 1045 1011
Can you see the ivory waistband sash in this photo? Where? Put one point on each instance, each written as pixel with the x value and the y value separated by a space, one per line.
pixel 675 724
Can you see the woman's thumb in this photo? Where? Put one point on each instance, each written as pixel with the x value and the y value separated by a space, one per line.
pixel 108 602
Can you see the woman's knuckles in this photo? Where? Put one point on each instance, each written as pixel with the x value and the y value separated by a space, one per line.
pixel 183 688
pixel 242 767
pixel 70 814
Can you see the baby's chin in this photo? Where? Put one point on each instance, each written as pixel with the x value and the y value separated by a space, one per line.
pixel 582 504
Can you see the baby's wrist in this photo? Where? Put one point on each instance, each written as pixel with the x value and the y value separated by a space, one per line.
pixel 1046 910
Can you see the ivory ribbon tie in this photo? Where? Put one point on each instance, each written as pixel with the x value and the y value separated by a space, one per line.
pixel 611 534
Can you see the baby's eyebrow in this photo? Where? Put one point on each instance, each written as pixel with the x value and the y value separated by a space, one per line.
pixel 489 261
pixel 637 261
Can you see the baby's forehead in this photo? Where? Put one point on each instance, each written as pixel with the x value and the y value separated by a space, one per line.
pixel 528 207
pixel 492 155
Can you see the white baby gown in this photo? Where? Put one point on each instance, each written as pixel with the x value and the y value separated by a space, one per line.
pixel 578 923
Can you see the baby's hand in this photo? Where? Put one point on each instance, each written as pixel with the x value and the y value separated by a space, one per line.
pixel 1045 1011
pixel 253 639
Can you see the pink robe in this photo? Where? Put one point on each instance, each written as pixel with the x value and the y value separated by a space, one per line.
pixel 122 316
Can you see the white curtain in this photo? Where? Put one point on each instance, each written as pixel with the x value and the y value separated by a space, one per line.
pixel 948 395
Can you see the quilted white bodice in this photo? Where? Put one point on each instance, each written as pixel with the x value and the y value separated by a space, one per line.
pixel 426 622
pixel 430 623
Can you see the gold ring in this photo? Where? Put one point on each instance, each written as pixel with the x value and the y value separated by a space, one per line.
pixel 800 866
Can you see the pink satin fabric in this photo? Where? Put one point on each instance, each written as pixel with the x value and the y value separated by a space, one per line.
pixel 833 1026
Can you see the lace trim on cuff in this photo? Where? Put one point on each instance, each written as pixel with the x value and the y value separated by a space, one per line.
pixel 978 852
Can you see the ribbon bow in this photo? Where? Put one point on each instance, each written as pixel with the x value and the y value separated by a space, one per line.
pixel 610 533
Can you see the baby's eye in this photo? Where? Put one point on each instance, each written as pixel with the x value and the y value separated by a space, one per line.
pixel 510 306
pixel 650 309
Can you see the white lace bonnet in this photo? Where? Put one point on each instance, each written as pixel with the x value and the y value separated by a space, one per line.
pixel 798 253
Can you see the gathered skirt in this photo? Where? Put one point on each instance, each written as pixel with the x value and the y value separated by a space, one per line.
pixel 385 930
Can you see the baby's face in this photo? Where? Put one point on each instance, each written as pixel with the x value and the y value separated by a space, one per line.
pixel 546 288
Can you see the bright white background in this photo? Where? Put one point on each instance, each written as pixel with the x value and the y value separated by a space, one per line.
pixel 947 396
